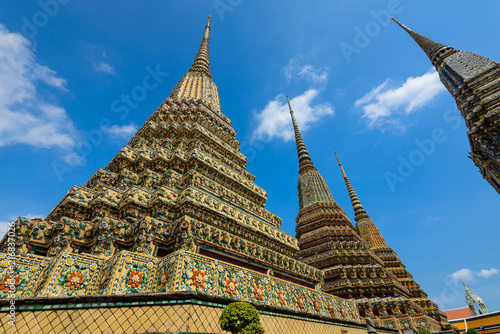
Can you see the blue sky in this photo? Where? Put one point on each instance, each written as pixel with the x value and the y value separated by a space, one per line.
pixel 359 86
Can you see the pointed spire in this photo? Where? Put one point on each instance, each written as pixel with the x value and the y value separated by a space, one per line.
pixel 435 51
pixel 305 162
pixel 202 60
pixel 467 291
pixel 359 211
pixel 197 83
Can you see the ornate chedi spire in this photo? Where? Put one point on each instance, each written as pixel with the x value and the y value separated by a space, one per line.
pixel 197 84
pixel 366 227
pixel 392 263
pixel 328 240
pixel 312 186
pixel 359 211
pixel 305 162
pixel 202 60
pixel 435 51
pixel 473 81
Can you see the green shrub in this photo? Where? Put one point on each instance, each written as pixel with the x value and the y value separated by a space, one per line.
pixel 423 331
pixel 237 316
pixel 254 328
pixel 471 331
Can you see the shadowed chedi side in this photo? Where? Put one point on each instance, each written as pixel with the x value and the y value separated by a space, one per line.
pixel 474 82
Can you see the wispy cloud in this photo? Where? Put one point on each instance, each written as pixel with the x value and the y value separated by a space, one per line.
pixel 274 120
pixel 385 106
pixel 485 273
pixel 120 132
pixel 73 159
pixel 26 117
pixel 104 67
pixel 295 69
pixel 468 275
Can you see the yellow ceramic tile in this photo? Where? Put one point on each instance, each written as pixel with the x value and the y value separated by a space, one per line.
pixel 43 322
pixel 160 326
pixel 53 317
pixel 149 311
pixel 106 312
pixel 85 314
pixel 9 329
pixel 92 326
pixel 47 329
pixel 99 320
pixel 34 327
pixel 128 313
pixel 59 328
pixel 81 326
pixel 70 328
pixel 147 324
pixel 115 326
pixel 138 311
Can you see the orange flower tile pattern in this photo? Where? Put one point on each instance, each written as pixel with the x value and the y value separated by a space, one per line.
pixel 127 272
pixel 26 271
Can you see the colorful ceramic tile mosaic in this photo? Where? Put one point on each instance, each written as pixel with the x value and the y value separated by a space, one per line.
pixel 176 212
pixel 473 80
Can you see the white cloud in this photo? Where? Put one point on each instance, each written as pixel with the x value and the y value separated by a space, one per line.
pixel 274 120
pixel 464 274
pixel 25 116
pixel 104 67
pixel 384 104
pixel 73 159
pixel 485 273
pixel 468 275
pixel 121 132
pixel 313 75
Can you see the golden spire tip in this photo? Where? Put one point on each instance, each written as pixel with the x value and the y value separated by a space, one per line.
pixel 337 158
pixel 289 105
pixel 401 25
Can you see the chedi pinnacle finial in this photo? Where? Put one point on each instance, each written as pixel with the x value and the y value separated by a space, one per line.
pixel 202 61
pixel 401 25
pixel 359 211
pixel 305 162
pixel 436 52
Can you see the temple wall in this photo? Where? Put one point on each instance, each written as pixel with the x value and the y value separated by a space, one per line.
pixel 156 316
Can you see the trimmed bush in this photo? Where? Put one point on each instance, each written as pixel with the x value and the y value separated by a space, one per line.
pixel 253 329
pixel 471 331
pixel 423 331
pixel 236 316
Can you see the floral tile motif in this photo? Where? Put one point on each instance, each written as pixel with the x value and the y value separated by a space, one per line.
pixel 18 276
pixel 69 274
pixel 127 272
pixel 134 273
pixel 206 275
pixel 106 276
pixel 197 274
pixel 166 273
pixel 231 282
